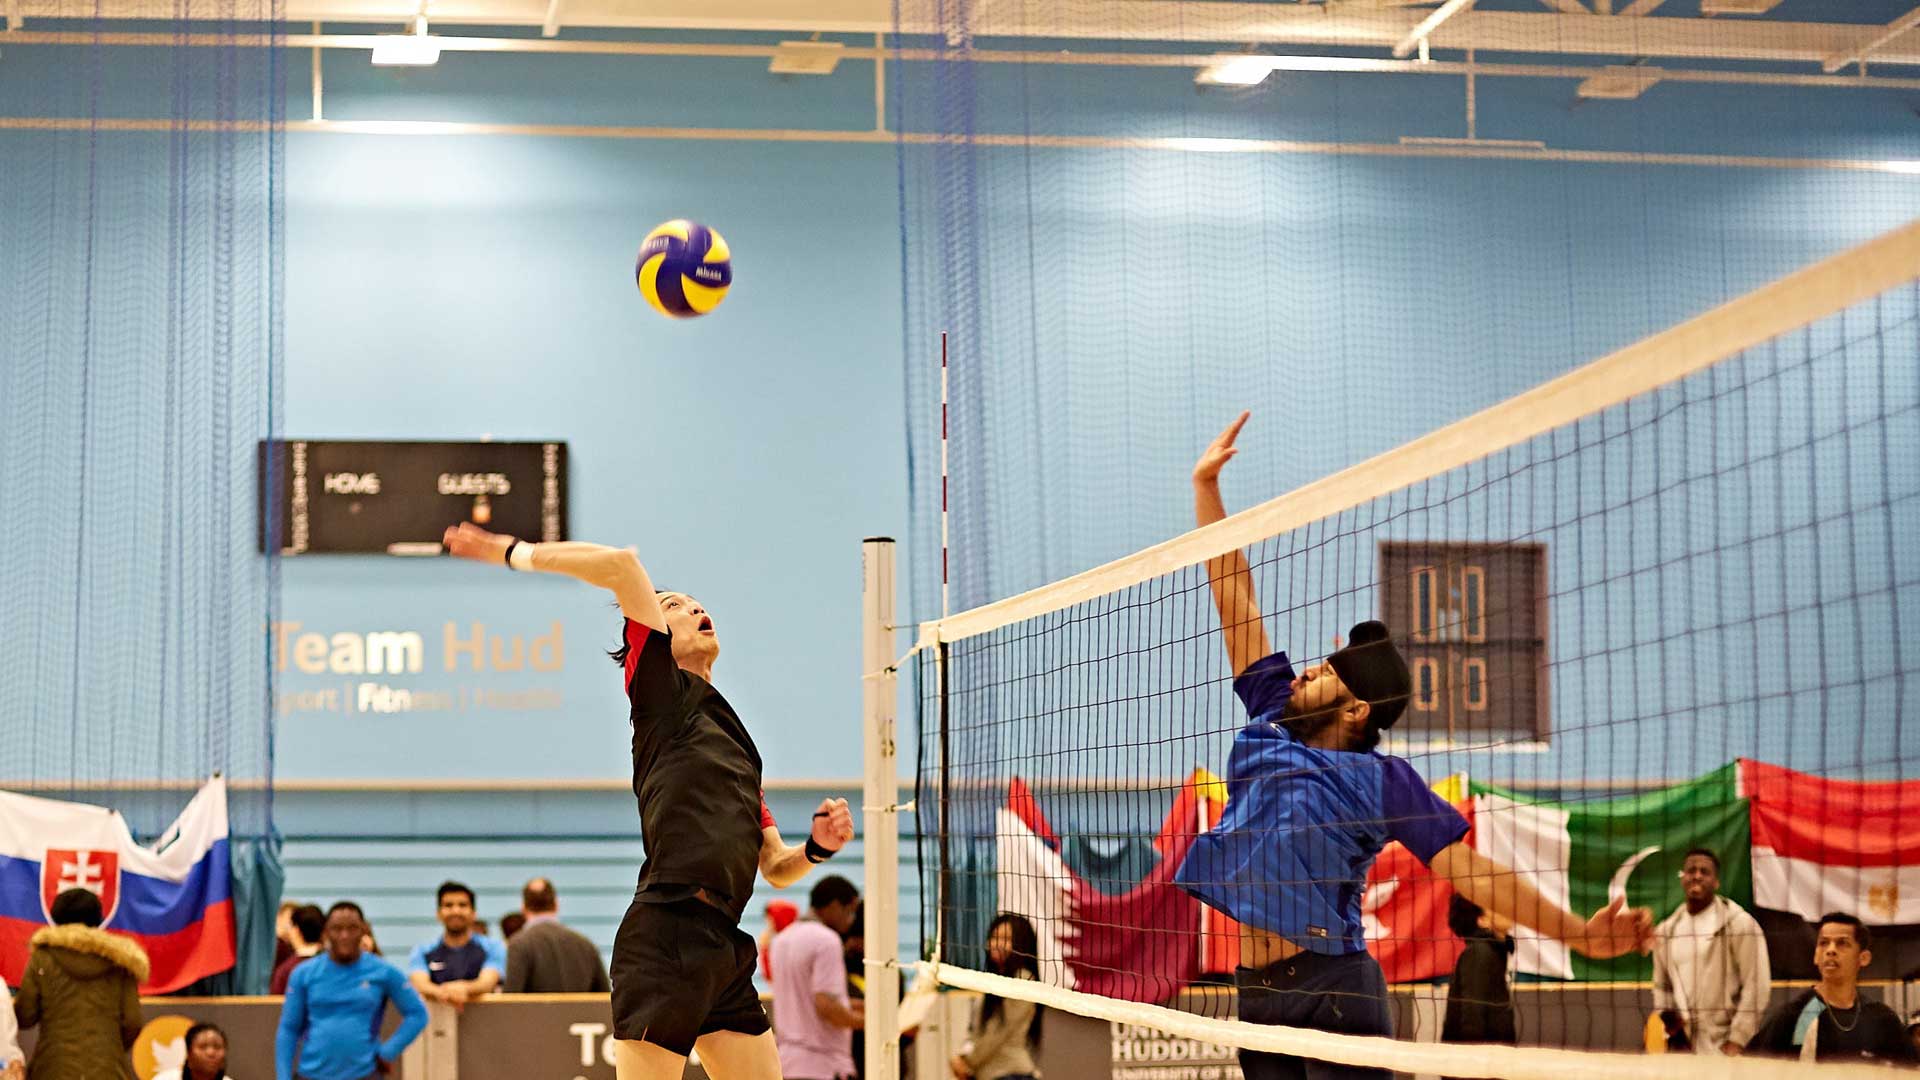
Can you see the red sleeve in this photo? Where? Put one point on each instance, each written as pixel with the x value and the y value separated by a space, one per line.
pixel 766 815
pixel 654 681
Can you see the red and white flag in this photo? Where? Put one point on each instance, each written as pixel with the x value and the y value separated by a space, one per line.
pixel 1822 845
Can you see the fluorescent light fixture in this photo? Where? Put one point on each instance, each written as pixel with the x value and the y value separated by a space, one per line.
pixel 418 49
pixel 1236 71
pixel 806 58
pixel 1737 7
pixel 1618 83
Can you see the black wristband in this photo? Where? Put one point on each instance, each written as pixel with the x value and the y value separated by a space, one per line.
pixel 817 854
pixel 508 559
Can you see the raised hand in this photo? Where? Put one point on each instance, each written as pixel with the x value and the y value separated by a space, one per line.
pixel 1616 930
pixel 832 824
pixel 1218 452
pixel 469 541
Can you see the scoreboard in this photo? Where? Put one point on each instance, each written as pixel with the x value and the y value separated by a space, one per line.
pixel 353 496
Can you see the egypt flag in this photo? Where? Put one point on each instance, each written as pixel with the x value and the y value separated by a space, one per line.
pixel 1581 855
pixel 175 898
pixel 1822 846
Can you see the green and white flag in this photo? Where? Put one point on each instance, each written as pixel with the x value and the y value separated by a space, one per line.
pixel 1580 855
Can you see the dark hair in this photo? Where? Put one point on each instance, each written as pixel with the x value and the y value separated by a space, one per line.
pixel 311 922
pixel 77 906
pixel 1024 956
pixel 447 887
pixel 832 889
pixel 1707 852
pixel 1860 935
pixel 619 655
pixel 511 923
pixel 537 897
pixel 1463 918
pixel 200 1029
pixel 347 905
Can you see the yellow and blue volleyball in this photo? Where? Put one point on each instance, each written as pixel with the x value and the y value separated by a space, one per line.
pixel 684 269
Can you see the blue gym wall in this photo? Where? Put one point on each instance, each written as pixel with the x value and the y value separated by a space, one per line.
pixel 443 286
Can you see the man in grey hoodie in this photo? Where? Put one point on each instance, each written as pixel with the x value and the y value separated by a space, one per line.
pixel 1711 974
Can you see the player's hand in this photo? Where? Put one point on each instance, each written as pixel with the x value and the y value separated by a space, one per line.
pixel 1732 1049
pixel 1616 930
pixel 959 1066
pixel 469 541
pixel 1218 452
pixel 832 824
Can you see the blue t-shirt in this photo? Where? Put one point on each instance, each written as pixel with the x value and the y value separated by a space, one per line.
pixel 1303 825
pixel 332 1018
pixel 445 963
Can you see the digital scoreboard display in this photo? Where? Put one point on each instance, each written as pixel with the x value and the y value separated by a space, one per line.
pixel 355 497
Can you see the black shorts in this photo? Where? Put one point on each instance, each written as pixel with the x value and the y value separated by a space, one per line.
pixel 681 970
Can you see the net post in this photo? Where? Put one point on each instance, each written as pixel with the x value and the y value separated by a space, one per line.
pixel 878 685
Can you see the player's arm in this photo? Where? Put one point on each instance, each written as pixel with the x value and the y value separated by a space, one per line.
pixel 618 570
pixel 1229 575
pixel 1614 930
pixel 782 865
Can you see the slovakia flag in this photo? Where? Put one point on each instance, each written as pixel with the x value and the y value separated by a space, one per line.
pixel 175 898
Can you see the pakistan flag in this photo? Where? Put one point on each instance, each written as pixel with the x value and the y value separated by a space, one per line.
pixel 1582 854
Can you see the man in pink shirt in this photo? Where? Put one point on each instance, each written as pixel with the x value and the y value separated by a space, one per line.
pixel 813 1022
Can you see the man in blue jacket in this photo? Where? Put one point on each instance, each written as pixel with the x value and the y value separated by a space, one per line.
pixel 330 1024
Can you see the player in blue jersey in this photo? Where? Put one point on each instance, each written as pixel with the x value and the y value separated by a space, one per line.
pixel 1310 804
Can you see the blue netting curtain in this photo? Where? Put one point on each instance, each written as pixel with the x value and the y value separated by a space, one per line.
pixel 141 279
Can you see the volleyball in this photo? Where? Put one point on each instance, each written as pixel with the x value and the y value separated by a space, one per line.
pixel 684 269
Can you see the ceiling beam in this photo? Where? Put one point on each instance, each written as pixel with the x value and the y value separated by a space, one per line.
pixel 550 26
pixel 1892 30
pixel 1428 25
pixel 1566 7
pixel 1212 23
pixel 1642 7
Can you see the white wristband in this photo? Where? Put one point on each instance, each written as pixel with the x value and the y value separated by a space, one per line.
pixel 522 557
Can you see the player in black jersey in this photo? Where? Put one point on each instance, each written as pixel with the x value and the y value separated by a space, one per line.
pixel 682 969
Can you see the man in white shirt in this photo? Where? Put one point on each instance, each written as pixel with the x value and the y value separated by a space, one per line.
pixel 1711 972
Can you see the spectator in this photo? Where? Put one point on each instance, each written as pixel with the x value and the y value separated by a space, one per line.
pixel 813 1020
pixel 283 943
pixel 510 924
pixel 309 923
pixel 331 1019
pixel 82 986
pixel 13 1064
pixel 853 943
pixel 459 965
pixel 548 958
pixel 1711 973
pixel 206 1054
pixel 1830 1021
pixel 780 915
pixel 1913 1032
pixel 480 927
pixel 1480 1000
pixel 1008 1032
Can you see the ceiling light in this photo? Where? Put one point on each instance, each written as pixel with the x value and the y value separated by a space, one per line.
pixel 418 49
pixel 1737 7
pixel 1618 83
pixel 806 58
pixel 1235 71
